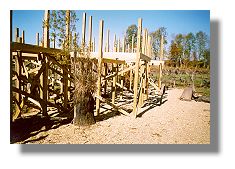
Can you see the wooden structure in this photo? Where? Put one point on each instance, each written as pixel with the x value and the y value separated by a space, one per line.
pixel 39 80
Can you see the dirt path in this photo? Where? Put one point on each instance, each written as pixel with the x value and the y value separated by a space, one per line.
pixel 174 122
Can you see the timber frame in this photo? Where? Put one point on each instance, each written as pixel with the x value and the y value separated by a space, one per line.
pixel 35 70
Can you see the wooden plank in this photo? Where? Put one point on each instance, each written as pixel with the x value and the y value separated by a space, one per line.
pixel 106 60
pixel 101 28
pixel 33 96
pixel 105 74
pixel 90 33
pixel 17 34
pixel 23 37
pixel 118 73
pixel 37 39
pixel 26 48
pixel 52 59
pixel 45 86
pixel 84 29
pixel 136 77
pixel 121 93
pixel 145 57
pixel 132 44
pixel 46 42
pixel 114 70
pixel 113 105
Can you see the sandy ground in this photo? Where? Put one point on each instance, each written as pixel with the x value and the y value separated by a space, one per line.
pixel 174 122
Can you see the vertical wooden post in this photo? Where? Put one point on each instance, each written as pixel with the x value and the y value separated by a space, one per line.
pixel 123 44
pixel 37 39
pixel 94 45
pixel 45 86
pixel 118 46
pixel 122 78
pixel 105 65
pixel 100 54
pixel 90 33
pixel 114 69
pixel 137 62
pixel 84 30
pixel 16 34
pixel 160 66
pixel 132 44
pixel 114 44
pixel 107 41
pixel 46 43
pixel 143 41
pixel 131 79
pixel 65 88
pixel 23 36
pixel 67 43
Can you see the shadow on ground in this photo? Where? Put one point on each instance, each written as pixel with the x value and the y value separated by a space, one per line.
pixel 28 127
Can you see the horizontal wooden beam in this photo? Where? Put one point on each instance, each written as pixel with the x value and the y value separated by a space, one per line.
pixel 27 48
pixel 119 73
pixel 106 60
pixel 145 57
pixel 113 105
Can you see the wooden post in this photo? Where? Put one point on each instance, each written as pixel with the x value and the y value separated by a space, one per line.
pixel 37 39
pixel 143 41
pixel 23 37
pixel 121 96
pixel 107 41
pixel 118 46
pixel 100 54
pixel 18 84
pixel 67 43
pixel 16 34
pixel 90 33
pixel 132 44
pixel 105 65
pixel 94 45
pixel 84 30
pixel 160 66
pixel 114 44
pixel 131 79
pixel 46 43
pixel 65 88
pixel 123 45
pixel 45 86
pixel 114 69
pixel 137 62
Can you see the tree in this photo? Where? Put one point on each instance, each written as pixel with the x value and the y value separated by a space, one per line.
pixel 201 41
pixel 58 20
pixel 189 45
pixel 156 40
pixel 131 31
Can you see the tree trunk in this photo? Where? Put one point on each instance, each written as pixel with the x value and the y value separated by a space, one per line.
pixel 84 110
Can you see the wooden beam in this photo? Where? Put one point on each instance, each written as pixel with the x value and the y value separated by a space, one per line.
pixel 84 29
pixel 121 93
pixel 26 48
pixel 113 105
pixel 136 78
pixel 17 34
pixel 45 86
pixel 46 41
pixel 106 60
pixel 37 39
pixel 132 44
pixel 114 70
pixel 101 28
pixel 144 57
pixel 119 73
pixel 90 33
pixel 23 37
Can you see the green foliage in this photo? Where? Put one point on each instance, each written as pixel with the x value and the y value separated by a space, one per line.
pixel 156 40
pixel 58 29
pixel 131 31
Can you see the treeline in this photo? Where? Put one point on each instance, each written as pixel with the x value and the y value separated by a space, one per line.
pixel 184 50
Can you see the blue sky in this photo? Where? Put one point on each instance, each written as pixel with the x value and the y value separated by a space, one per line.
pixel 176 21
